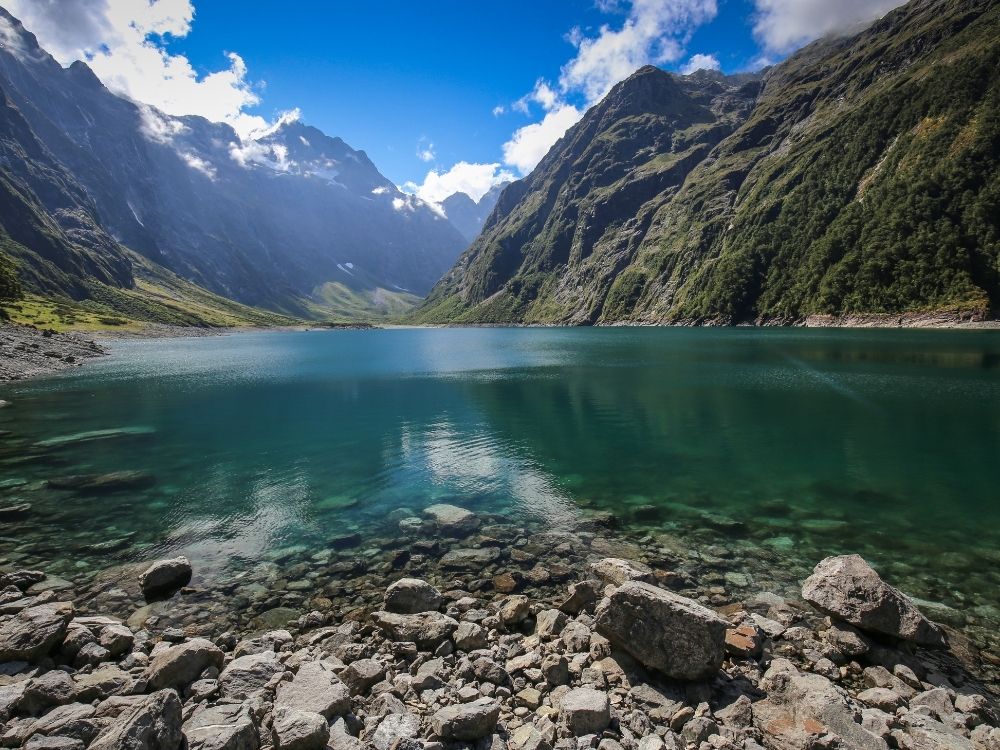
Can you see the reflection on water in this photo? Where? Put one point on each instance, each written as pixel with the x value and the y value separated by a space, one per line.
pixel 804 442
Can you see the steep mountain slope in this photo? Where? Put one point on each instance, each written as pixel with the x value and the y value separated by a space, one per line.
pixel 861 175
pixel 468 215
pixel 272 222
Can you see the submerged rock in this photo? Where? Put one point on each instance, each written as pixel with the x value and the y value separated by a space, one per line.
pixel 452 520
pixel 663 630
pixel 848 588
pixel 97 484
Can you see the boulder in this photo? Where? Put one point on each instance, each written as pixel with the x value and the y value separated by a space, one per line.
pixel 165 576
pixel 469 636
pixel 180 665
pixel 467 722
pixel 55 688
pixel 316 689
pixel 470 559
pixel 22 579
pixel 514 609
pixel 249 674
pixel 153 724
pixel 34 631
pixel 227 726
pixel 395 727
pixel 848 588
pixel 410 596
pixel 361 674
pixel 272 640
pixel 585 711
pixel 452 520
pixel 799 706
pixel 298 730
pixel 426 629
pixel 549 623
pixel 663 630
pixel 615 571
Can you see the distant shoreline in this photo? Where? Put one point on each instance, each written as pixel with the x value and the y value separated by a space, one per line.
pixel 27 352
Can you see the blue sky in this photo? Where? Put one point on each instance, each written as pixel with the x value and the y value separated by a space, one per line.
pixel 391 76
pixel 443 96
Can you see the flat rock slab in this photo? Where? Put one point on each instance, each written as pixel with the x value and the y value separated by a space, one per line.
pixel 427 629
pixel 467 722
pixel 848 588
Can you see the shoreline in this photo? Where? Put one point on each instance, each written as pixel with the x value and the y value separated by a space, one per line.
pixel 28 353
pixel 470 631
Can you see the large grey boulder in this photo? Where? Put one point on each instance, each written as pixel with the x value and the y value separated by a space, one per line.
pixel 452 520
pixel 848 588
pixel 663 630
pixel 467 722
pixel 227 726
pixel 409 596
pixel 317 689
pixel 395 727
pixel 298 730
pixel 55 688
pixel 34 631
pixel 247 675
pixel 585 711
pixel 801 705
pixel 180 665
pixel 153 724
pixel 427 629
pixel 165 576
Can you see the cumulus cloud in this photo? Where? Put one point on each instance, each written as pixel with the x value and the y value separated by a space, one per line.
pixel 654 32
pixel 472 179
pixel 701 62
pixel 425 150
pixel 123 41
pixel 529 144
pixel 783 26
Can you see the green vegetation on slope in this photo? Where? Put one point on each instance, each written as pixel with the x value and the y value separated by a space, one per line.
pixel 862 175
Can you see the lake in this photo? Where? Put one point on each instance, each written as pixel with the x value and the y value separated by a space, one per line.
pixel 747 454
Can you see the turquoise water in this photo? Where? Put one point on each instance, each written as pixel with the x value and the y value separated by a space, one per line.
pixel 797 443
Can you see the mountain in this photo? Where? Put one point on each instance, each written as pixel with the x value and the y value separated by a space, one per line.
pixel 862 175
pixel 292 220
pixel 467 215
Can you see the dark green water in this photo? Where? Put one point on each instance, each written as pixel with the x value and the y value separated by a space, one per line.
pixel 799 443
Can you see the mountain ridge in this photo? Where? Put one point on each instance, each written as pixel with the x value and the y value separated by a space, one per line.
pixel 715 199
pixel 292 220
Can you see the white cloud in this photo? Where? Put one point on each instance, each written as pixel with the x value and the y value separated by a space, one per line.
pixel 122 40
pixel 782 26
pixel 499 110
pixel 425 150
pixel 701 62
pixel 654 32
pixel 380 190
pixel 529 144
pixel 198 164
pixel 472 179
pixel 271 155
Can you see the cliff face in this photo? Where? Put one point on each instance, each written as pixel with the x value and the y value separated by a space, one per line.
pixel 862 175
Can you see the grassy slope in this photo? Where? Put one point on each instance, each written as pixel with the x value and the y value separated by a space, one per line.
pixel 159 297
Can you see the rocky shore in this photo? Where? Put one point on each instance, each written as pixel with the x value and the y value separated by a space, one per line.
pixel 27 352
pixel 612 654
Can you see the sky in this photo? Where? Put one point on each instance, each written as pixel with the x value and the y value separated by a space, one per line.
pixel 443 96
